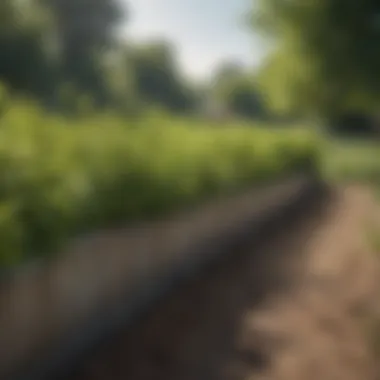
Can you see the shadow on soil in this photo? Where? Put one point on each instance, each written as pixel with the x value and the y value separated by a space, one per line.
pixel 199 331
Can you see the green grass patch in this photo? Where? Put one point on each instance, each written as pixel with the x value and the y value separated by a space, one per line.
pixel 352 161
pixel 373 235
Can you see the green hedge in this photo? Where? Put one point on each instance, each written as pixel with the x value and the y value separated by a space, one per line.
pixel 60 178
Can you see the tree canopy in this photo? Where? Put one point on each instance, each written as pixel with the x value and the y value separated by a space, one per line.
pixel 156 76
pixel 326 53
pixel 237 92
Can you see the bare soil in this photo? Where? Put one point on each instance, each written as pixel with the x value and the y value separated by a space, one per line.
pixel 293 308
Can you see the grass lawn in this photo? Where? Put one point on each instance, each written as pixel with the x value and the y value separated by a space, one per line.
pixel 352 161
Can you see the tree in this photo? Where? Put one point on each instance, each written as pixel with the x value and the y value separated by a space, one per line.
pixel 156 76
pixel 84 31
pixel 236 91
pixel 332 48
pixel 24 63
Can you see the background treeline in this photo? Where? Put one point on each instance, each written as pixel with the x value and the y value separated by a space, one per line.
pixel 323 63
pixel 64 53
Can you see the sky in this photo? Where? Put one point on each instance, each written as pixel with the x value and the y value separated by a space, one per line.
pixel 205 32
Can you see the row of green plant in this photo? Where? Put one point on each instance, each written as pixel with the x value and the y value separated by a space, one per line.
pixel 60 178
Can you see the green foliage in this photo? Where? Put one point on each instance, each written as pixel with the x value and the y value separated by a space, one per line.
pixel 50 45
pixel 291 84
pixel 156 77
pixel 59 178
pixel 354 125
pixel 45 44
pixel 236 92
pixel 24 66
pixel 325 54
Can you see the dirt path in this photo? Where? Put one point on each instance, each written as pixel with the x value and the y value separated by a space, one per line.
pixel 287 311
pixel 322 320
